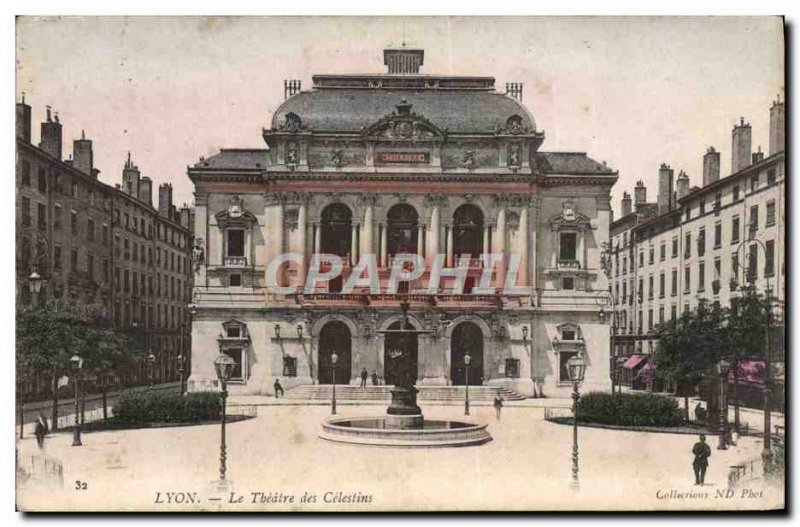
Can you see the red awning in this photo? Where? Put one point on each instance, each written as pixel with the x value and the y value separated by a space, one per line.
pixel 648 371
pixel 750 372
pixel 634 361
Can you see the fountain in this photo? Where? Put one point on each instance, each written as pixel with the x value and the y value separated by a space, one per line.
pixel 403 425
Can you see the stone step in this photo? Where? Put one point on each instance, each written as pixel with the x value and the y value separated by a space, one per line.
pixel 380 393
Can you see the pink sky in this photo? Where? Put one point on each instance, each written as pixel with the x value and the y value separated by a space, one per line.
pixel 634 92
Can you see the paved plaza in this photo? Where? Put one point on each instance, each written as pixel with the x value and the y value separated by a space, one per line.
pixel 276 458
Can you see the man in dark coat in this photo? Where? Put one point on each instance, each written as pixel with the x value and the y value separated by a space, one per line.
pixel 364 378
pixel 41 430
pixel 278 388
pixel 701 452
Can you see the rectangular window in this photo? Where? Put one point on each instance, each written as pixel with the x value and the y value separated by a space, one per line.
pixel 568 246
pixel 57 257
pixel 754 218
pixel 90 265
pixel 236 355
pixel 235 280
pixel 26 173
pixel 90 229
pixel 563 358
pixel 650 288
pixel 662 251
pixel 41 216
pixel 73 261
pixel 702 207
pixel 701 242
pixel 673 312
pixel 73 222
pixel 754 183
pixel 26 212
pixel 127 221
pixel 106 270
pixel 735 229
pixel 688 212
pixel 771 176
pixel 57 217
pixel 660 314
pixel 74 189
pixel 42 182
pixel 736 193
pixel 236 242
pixel 675 247
pixel 126 281
pixel 701 277
pixel 662 285
pixel 652 255
pixel 717 235
pixel 687 279
pixel 290 367
pixel 106 237
pixel 641 259
pixel 640 292
pixel 687 247
pixel 717 202
pixel 568 283
pixel 674 285
pixel 770 213
pixel 735 268
pixel 769 264
pixel 624 291
pixel 752 267
pixel 650 319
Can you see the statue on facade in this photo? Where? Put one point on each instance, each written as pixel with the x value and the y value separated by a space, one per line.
pixel 198 254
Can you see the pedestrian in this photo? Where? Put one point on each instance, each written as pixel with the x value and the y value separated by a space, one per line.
pixel 364 375
pixel 700 413
pixel 41 430
pixel 498 405
pixel 701 452
pixel 374 378
pixel 278 388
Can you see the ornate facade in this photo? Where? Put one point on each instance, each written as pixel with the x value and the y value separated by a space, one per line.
pixel 372 169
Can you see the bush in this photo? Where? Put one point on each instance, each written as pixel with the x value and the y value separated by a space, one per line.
pixel 629 409
pixel 136 408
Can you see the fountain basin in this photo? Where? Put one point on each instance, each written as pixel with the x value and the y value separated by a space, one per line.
pixel 379 431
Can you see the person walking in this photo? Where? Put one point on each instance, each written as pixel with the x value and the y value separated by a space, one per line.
pixel 498 405
pixel 278 388
pixel 701 452
pixel 364 376
pixel 41 430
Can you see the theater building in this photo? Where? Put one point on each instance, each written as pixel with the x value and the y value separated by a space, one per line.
pixel 372 168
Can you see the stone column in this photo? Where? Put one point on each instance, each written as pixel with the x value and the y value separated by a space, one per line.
pixel 366 232
pixel 384 260
pixel 317 237
pixel 449 244
pixel 522 278
pixel 499 244
pixel 354 245
pixel 421 240
pixel 301 225
pixel 486 248
pixel 279 236
pixel 433 236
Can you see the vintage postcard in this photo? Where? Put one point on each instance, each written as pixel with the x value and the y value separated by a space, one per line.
pixel 368 264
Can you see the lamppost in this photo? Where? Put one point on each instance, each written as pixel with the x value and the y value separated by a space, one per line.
pixel 576 368
pixel 334 359
pixel 722 369
pixel 77 363
pixel 224 365
pixel 151 360
pixel 181 359
pixel 467 360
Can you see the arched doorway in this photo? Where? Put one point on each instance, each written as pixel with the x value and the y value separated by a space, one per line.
pixel 334 336
pixel 466 337
pixel 402 230
pixel 336 229
pixel 399 357
pixel 467 231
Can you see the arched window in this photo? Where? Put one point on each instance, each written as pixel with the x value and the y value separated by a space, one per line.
pixel 467 231
pixel 336 230
pixel 402 231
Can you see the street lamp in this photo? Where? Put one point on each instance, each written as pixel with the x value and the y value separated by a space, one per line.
pixel 181 359
pixel 76 362
pixel 278 331
pixel 224 365
pixel 35 282
pixel 151 360
pixel 723 414
pixel 576 369
pixel 334 359
pixel 467 360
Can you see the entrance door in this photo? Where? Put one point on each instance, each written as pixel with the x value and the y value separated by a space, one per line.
pixel 400 358
pixel 334 337
pixel 467 337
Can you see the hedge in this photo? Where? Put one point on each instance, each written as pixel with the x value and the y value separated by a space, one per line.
pixel 135 408
pixel 629 409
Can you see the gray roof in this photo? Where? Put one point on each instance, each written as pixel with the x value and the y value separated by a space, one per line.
pixel 350 110
pixel 569 163
pixel 236 158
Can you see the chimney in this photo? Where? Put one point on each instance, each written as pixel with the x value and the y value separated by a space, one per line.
pixel 403 61
pixel 741 146
pixel 51 135
pixel 777 127
pixel 290 88
pixel 130 178
pixel 165 200
pixel 24 120
pixel 758 157
pixel 514 89
pixel 83 158
pixel 711 166
pixel 682 185
pixel 626 204
pixel 665 183
pixel 184 215
pixel 639 195
pixel 146 190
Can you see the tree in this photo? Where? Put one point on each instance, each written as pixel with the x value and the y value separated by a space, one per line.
pixel 689 347
pixel 746 334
